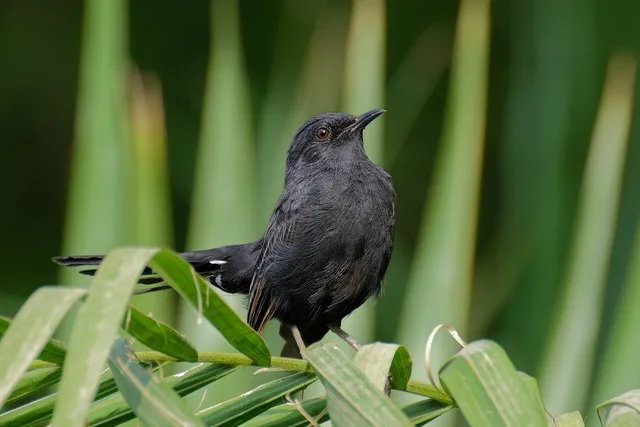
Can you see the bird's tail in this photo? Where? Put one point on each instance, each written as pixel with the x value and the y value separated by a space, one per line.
pixel 229 267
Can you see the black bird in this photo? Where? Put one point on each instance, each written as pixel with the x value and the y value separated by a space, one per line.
pixel 328 243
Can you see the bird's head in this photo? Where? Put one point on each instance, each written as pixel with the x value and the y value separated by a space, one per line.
pixel 330 136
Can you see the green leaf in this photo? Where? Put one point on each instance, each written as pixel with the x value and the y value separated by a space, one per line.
pixel 248 405
pixel 573 344
pixel 114 410
pixel 158 336
pixel 287 415
pixel 153 402
pixel 352 399
pixel 37 412
pixel 571 419
pixel 35 381
pixel 424 411
pixel 52 352
pixel 94 331
pixel 488 389
pixel 181 276
pixel 377 360
pixel 31 329
pixel 442 268
pixel 621 411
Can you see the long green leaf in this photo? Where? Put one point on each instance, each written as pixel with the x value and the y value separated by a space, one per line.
pixel 114 410
pixel 246 406
pixel 352 398
pixel 158 336
pixel 378 360
pixel 442 268
pixel 566 368
pixel 94 331
pixel 364 89
pixel 53 350
pixel 619 369
pixel 153 402
pixel 287 415
pixel 29 332
pixel 225 196
pixel 424 411
pixel 622 411
pixel 37 412
pixel 488 389
pixel 181 276
pixel 34 381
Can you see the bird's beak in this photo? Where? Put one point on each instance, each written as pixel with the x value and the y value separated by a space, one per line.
pixel 364 119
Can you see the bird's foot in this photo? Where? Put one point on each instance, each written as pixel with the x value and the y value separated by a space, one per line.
pixel 346 337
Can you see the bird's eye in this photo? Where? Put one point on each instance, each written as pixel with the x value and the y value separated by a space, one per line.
pixel 322 133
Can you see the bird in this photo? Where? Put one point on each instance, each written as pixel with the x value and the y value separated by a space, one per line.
pixel 327 245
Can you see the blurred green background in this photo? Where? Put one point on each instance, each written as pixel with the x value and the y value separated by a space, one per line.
pixel 156 123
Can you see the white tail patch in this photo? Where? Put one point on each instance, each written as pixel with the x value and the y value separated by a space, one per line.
pixel 217 262
pixel 218 279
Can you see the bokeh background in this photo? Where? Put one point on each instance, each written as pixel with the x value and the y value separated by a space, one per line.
pixel 161 123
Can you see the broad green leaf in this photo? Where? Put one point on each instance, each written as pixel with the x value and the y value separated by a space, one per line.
pixel 248 405
pixel 287 415
pixel 29 332
pixel 52 352
pixel 37 412
pixel 353 400
pixel 181 276
pixel 531 385
pixel 114 410
pixel 158 336
pixel 153 402
pixel 377 360
pixel 35 381
pixel 424 411
pixel 488 389
pixel 94 331
pixel 621 411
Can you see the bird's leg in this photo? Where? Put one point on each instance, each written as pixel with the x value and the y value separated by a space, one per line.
pixel 346 337
pixel 298 338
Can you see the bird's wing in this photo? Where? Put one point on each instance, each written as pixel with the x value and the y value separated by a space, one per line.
pixel 261 306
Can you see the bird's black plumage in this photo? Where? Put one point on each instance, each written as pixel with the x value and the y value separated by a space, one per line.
pixel 329 240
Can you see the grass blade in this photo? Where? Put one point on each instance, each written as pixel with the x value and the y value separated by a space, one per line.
pixel 153 402
pixel 94 331
pixel 378 360
pixel 352 398
pixel 622 411
pixel 443 264
pixel 181 276
pixel 29 332
pixel 52 352
pixel 158 336
pixel 566 368
pixel 114 410
pixel 488 389
pixel 246 406
pixel 34 381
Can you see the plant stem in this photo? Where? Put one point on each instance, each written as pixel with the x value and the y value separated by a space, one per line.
pixel 284 363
